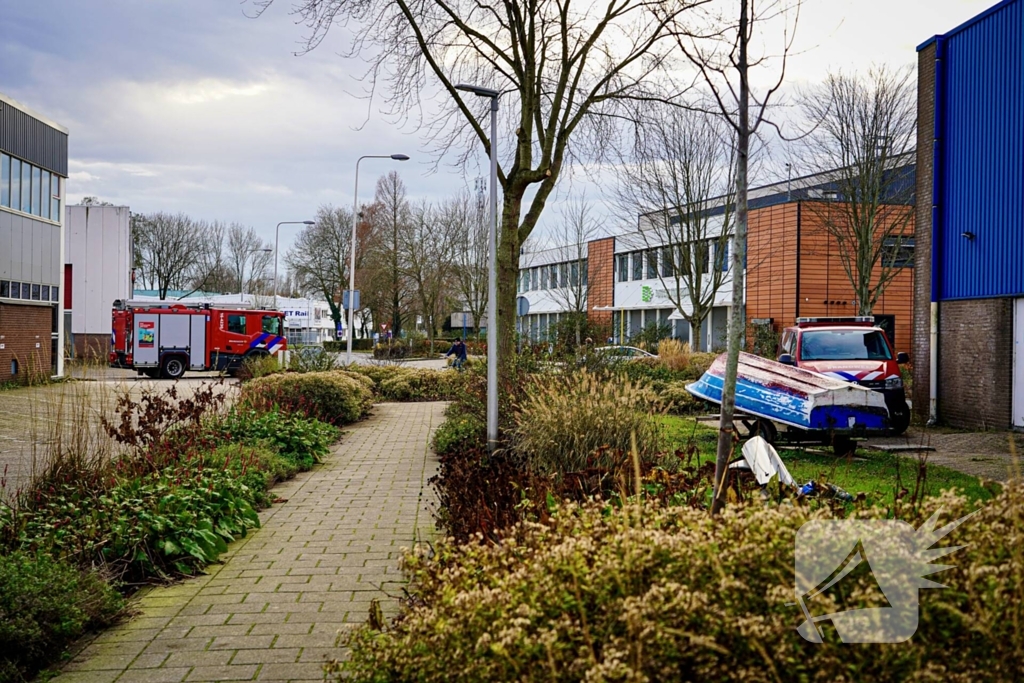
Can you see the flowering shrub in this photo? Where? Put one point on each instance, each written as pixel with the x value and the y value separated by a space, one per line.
pixel 332 397
pixel 396 383
pixel 651 593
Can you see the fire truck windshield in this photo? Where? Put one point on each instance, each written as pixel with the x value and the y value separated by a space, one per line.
pixel 272 324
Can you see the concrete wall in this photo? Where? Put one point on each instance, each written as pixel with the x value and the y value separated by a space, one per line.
pixel 99 251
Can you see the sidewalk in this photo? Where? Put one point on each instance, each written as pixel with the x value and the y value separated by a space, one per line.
pixel 274 609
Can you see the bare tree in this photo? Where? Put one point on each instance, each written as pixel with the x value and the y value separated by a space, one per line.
pixel 573 234
pixel 678 175
pixel 554 63
pixel 864 129
pixel 319 257
pixel 248 257
pixel 428 248
pixel 387 278
pixel 470 215
pixel 172 251
pixel 724 62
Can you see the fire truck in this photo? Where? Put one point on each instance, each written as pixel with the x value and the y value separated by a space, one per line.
pixel 161 339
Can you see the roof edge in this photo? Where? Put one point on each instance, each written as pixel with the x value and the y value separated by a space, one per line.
pixel 985 14
pixel 34 114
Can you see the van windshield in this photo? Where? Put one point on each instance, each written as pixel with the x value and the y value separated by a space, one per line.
pixel 844 345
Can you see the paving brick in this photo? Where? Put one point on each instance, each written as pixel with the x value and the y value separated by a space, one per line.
pixel 288 593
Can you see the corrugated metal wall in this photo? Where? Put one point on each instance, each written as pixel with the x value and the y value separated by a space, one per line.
pixel 980 156
pixel 32 140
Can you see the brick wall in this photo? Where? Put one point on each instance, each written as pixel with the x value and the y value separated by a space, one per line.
pixel 92 346
pixel 25 336
pixel 921 343
pixel 600 280
pixel 975 358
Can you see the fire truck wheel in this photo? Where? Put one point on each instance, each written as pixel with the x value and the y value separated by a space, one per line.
pixel 173 367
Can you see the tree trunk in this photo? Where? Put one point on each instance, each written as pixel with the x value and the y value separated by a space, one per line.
pixel 508 272
pixel 738 312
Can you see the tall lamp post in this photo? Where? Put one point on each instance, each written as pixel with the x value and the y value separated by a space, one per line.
pixel 492 268
pixel 352 257
pixel 277 244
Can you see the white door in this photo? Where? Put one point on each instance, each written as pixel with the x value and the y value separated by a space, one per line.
pixel 1018 363
pixel 147 335
pixel 197 343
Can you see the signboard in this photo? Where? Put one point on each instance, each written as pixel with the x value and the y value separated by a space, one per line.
pixel 345 299
pixel 522 306
pixel 146 335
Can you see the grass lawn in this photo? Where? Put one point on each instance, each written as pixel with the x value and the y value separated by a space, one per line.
pixel 876 474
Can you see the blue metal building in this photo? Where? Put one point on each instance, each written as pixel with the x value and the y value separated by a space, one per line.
pixel 969 294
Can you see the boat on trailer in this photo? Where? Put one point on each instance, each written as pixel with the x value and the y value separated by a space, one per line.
pixel 799 399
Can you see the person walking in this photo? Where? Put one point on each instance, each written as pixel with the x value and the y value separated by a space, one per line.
pixel 458 350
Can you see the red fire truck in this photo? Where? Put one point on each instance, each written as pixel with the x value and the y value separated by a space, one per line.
pixel 165 339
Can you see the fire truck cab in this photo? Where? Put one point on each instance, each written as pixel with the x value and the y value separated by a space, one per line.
pixel 166 339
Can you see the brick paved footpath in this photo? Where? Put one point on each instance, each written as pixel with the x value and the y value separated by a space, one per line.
pixel 277 605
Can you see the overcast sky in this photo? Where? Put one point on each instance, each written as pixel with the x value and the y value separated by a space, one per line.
pixel 190 105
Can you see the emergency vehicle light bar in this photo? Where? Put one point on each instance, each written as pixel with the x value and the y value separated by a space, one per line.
pixel 846 319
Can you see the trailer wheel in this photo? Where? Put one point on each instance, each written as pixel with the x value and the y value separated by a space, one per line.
pixel 843 445
pixel 766 430
pixel 173 367
pixel 900 419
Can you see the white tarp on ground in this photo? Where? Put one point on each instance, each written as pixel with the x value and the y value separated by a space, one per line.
pixel 761 459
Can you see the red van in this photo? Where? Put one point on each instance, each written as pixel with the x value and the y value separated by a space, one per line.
pixel 854 350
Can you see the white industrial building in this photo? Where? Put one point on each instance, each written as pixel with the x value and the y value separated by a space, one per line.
pixel 97 270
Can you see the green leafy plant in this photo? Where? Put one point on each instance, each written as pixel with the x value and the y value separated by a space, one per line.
pixel 45 605
pixel 299 441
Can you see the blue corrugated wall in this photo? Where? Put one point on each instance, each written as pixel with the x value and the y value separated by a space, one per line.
pixel 979 154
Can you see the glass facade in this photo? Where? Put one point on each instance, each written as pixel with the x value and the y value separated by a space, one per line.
pixel 29 189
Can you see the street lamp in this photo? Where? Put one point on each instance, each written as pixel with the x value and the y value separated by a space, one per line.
pixel 352 259
pixel 265 250
pixel 277 244
pixel 492 267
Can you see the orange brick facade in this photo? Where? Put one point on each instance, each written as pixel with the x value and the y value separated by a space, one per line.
pixel 25 339
pixel 600 280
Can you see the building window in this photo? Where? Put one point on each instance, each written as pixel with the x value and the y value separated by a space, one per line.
pixel 37 185
pixel 26 187
pixel 35 292
pixel 898 252
pixel 652 264
pixel 574 274
pixel 563 275
pixel 666 261
pixel 44 196
pixel 583 265
pixel 722 256
pixel 55 198
pixel 15 184
pixel 623 262
pixel 533 279
pixel 638 265
pixel 5 180
pixel 45 293
pixel 553 269
pixel 54 293
pixel 5 289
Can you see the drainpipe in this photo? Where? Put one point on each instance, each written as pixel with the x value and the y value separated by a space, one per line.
pixel 936 227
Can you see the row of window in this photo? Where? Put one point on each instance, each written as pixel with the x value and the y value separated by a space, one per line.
pixel 29 189
pixel 27 291
pixel 554 276
pixel 645 264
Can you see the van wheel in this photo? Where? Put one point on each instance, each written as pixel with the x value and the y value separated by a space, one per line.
pixel 173 367
pixel 900 420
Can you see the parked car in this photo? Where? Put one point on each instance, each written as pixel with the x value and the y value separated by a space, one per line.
pixel 854 350
pixel 622 353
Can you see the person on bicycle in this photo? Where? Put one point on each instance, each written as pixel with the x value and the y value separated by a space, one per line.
pixel 459 351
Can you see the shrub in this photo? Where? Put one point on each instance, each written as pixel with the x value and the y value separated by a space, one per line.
pixel 669 594
pixel 312 359
pixel 298 440
pixel 459 433
pixel 566 418
pixel 674 354
pixel 419 385
pixel 342 346
pixel 678 400
pixel 331 397
pixel 391 351
pixel 255 464
pixel 45 605
pixel 259 365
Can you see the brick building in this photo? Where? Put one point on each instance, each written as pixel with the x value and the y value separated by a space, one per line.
pixel 793 270
pixel 969 293
pixel 33 173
